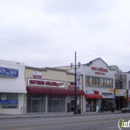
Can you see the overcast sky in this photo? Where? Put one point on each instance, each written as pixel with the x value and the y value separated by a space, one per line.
pixel 46 33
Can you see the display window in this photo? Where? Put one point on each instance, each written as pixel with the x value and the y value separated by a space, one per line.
pixel 90 105
pixel 8 100
pixel 35 103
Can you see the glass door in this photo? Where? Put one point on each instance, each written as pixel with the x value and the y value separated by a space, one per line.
pixel 36 105
pixel 56 105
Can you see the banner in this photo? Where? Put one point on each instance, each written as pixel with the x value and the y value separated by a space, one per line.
pixel 78 79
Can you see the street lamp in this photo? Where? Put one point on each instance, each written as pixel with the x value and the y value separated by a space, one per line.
pixel 75 67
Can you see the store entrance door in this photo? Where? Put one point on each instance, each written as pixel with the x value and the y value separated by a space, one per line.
pixel 36 105
pixel 56 105
pixel 72 105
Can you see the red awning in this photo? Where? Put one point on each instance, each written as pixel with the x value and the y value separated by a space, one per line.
pixel 93 96
pixel 55 91
pixel 36 90
pixel 79 92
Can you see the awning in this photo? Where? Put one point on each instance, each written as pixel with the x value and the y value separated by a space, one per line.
pixel 55 91
pixel 78 92
pixel 93 96
pixel 36 90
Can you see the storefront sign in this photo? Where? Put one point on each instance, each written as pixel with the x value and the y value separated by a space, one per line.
pixel 78 78
pixel 8 101
pixel 107 95
pixel 89 91
pixel 37 74
pixel 8 72
pixel 72 87
pixel 99 70
pixel 111 90
pixel 49 83
pixel 117 91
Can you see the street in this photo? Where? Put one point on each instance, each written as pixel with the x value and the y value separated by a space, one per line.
pixel 75 122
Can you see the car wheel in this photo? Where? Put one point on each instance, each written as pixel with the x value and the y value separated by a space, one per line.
pixel 125 111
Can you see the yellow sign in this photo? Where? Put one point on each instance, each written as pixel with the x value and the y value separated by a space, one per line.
pixel 117 91
pixel 110 89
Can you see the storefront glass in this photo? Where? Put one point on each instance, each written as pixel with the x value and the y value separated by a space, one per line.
pixel 107 104
pixel 71 103
pixel 56 103
pixel 8 100
pixel 90 105
pixel 35 103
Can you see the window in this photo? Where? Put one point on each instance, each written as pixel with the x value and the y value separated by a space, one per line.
pixel 92 81
pixel 106 82
pixel 8 100
pixel 129 84
pixel 96 81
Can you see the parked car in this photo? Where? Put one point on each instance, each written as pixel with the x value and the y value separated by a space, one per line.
pixel 126 109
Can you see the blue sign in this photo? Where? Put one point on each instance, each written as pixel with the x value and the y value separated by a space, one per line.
pixel 8 72
pixel 107 94
pixel 8 101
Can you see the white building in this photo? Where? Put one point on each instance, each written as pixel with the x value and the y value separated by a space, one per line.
pixel 12 87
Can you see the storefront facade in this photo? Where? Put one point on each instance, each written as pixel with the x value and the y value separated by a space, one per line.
pixel 12 87
pixel 98 84
pixel 50 90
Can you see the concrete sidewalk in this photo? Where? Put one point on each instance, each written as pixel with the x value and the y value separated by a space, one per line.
pixel 42 115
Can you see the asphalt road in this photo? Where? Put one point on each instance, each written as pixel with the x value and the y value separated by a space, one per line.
pixel 75 122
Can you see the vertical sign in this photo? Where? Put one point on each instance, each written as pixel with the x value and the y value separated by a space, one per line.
pixel 78 79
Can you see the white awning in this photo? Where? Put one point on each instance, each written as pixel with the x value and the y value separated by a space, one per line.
pixel 12 85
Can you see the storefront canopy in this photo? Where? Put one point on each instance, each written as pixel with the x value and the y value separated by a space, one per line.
pixel 78 92
pixel 34 90
pixel 93 96
pixel 53 91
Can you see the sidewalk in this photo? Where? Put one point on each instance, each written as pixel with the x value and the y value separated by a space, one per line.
pixel 41 115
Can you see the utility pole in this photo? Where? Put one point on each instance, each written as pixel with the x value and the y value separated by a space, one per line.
pixel 75 67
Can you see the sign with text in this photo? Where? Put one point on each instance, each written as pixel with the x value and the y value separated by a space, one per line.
pixel 100 71
pixel 8 72
pixel 78 79
pixel 50 83
pixel 8 101
pixel 37 74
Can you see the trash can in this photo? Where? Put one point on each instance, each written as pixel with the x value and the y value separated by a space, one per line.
pixel 79 111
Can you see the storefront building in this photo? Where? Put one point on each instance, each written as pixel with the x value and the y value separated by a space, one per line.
pixel 12 87
pixel 50 90
pixel 121 90
pixel 98 84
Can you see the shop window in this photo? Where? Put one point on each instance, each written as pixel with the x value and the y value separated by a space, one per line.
pixel 106 82
pixel 129 84
pixel 8 100
pixel 90 105
pixel 101 82
pixel 92 81
pixel 56 103
pixel 87 80
pixel 35 103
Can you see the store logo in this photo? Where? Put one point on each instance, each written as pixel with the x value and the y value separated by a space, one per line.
pixel 8 72
pixel 123 124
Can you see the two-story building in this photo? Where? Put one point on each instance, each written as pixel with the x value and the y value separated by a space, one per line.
pixel 12 87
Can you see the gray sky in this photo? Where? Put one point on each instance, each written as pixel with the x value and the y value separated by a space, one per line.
pixel 44 33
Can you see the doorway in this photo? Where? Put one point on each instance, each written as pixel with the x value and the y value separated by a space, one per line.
pixel 36 105
pixel 56 105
